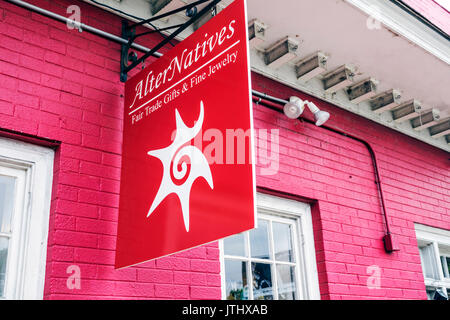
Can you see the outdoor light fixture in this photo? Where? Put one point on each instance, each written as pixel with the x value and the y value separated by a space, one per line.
pixel 319 116
pixel 294 108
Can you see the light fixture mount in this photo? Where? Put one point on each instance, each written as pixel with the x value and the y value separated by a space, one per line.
pixel 294 108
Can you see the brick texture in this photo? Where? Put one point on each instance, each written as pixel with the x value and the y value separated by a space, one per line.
pixel 64 85
pixel 336 172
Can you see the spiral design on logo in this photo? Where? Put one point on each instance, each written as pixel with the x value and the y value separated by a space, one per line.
pixel 182 164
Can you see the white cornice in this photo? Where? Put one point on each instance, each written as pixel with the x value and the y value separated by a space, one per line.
pixel 314 87
pixel 405 25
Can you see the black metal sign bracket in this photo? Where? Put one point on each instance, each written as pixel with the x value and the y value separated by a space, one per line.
pixel 129 59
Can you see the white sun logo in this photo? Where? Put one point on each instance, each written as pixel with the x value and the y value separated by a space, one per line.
pixel 175 160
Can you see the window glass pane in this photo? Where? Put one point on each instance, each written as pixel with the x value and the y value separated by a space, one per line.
pixel 7 185
pixel 430 293
pixel 235 245
pixel 3 257
pixel 448 267
pixel 445 261
pixel 262 281
pixel 440 294
pixel 437 293
pixel 429 262
pixel 259 240
pixel 286 282
pixel 236 280
pixel 282 239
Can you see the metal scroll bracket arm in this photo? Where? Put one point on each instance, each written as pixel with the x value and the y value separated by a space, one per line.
pixel 126 56
pixel 129 59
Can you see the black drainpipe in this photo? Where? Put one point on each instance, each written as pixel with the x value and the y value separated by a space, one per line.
pixel 273 103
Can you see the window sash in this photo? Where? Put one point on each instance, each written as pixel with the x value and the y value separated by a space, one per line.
pixel 435 260
pixel 428 261
pixel 15 245
pixel 277 207
pixel 28 247
pixel 444 262
pixel 272 261
pixel 434 238
pixel 271 258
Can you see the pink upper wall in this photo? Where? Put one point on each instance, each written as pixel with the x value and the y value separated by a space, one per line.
pixel 433 12
pixel 64 85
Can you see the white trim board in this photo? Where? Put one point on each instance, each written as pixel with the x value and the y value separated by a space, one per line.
pixel 406 25
pixel 37 164
pixel 428 233
pixel 277 206
pixel 314 87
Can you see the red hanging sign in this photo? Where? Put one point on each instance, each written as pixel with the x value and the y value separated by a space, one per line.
pixel 187 168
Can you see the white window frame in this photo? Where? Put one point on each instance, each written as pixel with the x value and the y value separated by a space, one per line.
pixel 275 208
pixel 447 256
pixel 14 235
pixel 25 274
pixel 436 237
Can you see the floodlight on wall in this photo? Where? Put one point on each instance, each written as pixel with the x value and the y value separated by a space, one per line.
pixel 319 116
pixel 295 106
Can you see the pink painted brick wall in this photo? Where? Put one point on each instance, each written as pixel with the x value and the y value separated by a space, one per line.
pixel 431 10
pixel 337 173
pixel 65 86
